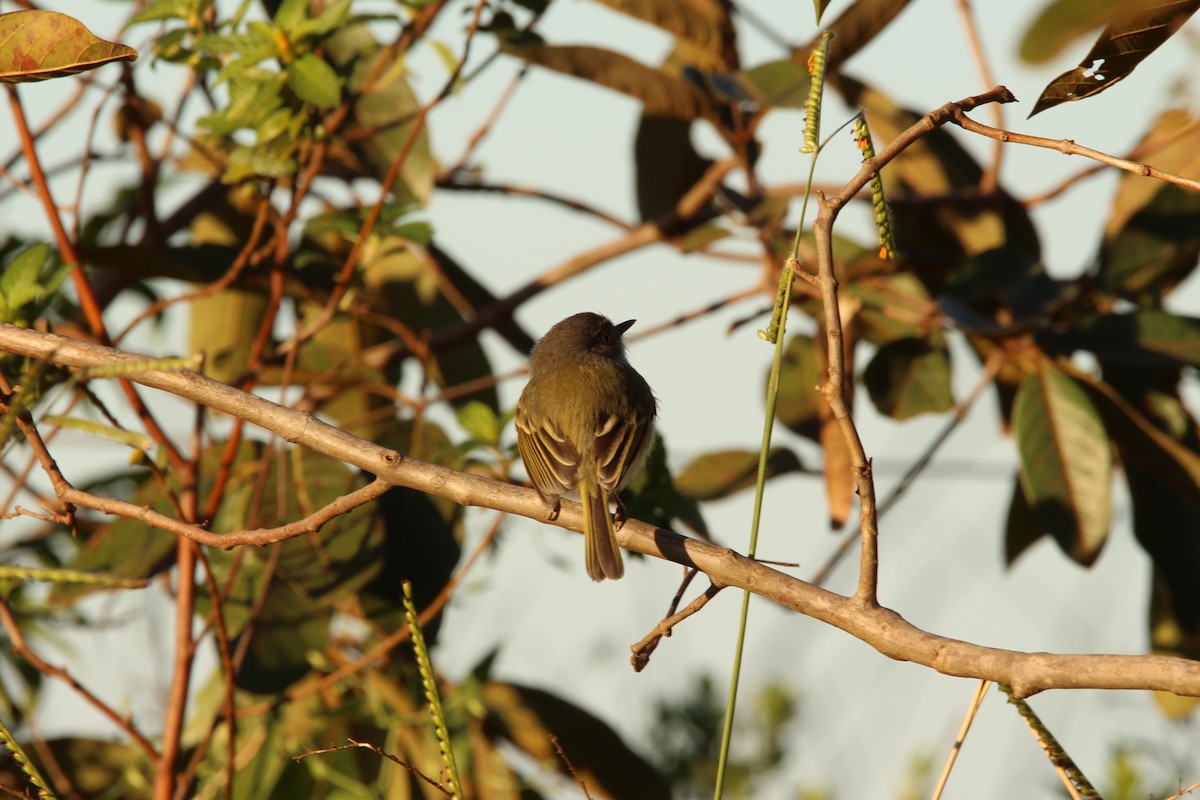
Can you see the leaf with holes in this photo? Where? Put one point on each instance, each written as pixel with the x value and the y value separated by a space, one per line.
pixel 1133 35
pixel 1066 464
pixel 36 45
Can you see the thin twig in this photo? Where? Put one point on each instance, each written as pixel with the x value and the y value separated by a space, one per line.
pixel 570 767
pixel 1070 148
pixel 380 752
pixel 643 649
pixel 21 647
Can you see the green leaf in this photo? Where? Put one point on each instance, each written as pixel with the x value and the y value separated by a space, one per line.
pixel 1061 22
pixel 21 282
pixel 909 377
pixel 159 10
pixel 424 534
pixel 894 307
pixel 661 94
pixel 125 548
pixel 1066 464
pixel 384 115
pixel 1156 249
pixel 314 81
pixel 36 45
pixel 480 421
pixel 1133 35
pixel 725 472
pixel 798 404
pixel 290 14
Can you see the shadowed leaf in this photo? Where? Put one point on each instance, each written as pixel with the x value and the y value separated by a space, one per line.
pixel 528 717
pixel 660 93
pixel 667 164
pixel 684 20
pixel 36 45
pixel 653 496
pixel 1143 337
pixel 798 404
pixel 1022 529
pixel 1066 465
pixel 1139 441
pixel 937 166
pixel 1156 249
pixel 855 28
pixel 1135 33
pixel 908 377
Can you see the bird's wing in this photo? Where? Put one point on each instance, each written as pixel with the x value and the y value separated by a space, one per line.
pixel 550 458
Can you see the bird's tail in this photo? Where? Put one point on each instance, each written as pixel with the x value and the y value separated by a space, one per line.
pixel 600 538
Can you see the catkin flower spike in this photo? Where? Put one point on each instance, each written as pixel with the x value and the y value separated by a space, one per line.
pixel 816 86
pixel 425 667
pixel 883 214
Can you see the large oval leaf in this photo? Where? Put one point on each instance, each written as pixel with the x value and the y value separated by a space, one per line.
pixel 909 377
pixel 702 24
pixel 1139 338
pixel 798 404
pixel 1156 249
pixel 36 45
pixel 1066 464
pixel 725 472
pixel 660 93
pixel 1133 35
pixel 536 721
pixel 1061 22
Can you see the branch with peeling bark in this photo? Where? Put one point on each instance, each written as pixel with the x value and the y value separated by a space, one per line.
pixel 883 629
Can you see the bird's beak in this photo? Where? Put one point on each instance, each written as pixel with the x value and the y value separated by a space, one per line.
pixel 624 326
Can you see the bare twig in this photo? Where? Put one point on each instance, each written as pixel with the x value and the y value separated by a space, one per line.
pixel 570 767
pixel 1069 148
pixel 380 752
pixel 643 649
pixel 21 647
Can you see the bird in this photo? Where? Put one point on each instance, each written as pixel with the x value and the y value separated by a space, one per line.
pixel 585 423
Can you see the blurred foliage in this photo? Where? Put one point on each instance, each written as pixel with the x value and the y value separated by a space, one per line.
pixel 294 284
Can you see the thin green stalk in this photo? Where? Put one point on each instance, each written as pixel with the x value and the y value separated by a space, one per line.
pixel 774 334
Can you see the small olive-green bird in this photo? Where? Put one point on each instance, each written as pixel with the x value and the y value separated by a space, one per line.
pixel 584 425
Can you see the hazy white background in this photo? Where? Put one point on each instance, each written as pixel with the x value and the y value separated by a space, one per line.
pixel 862 716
